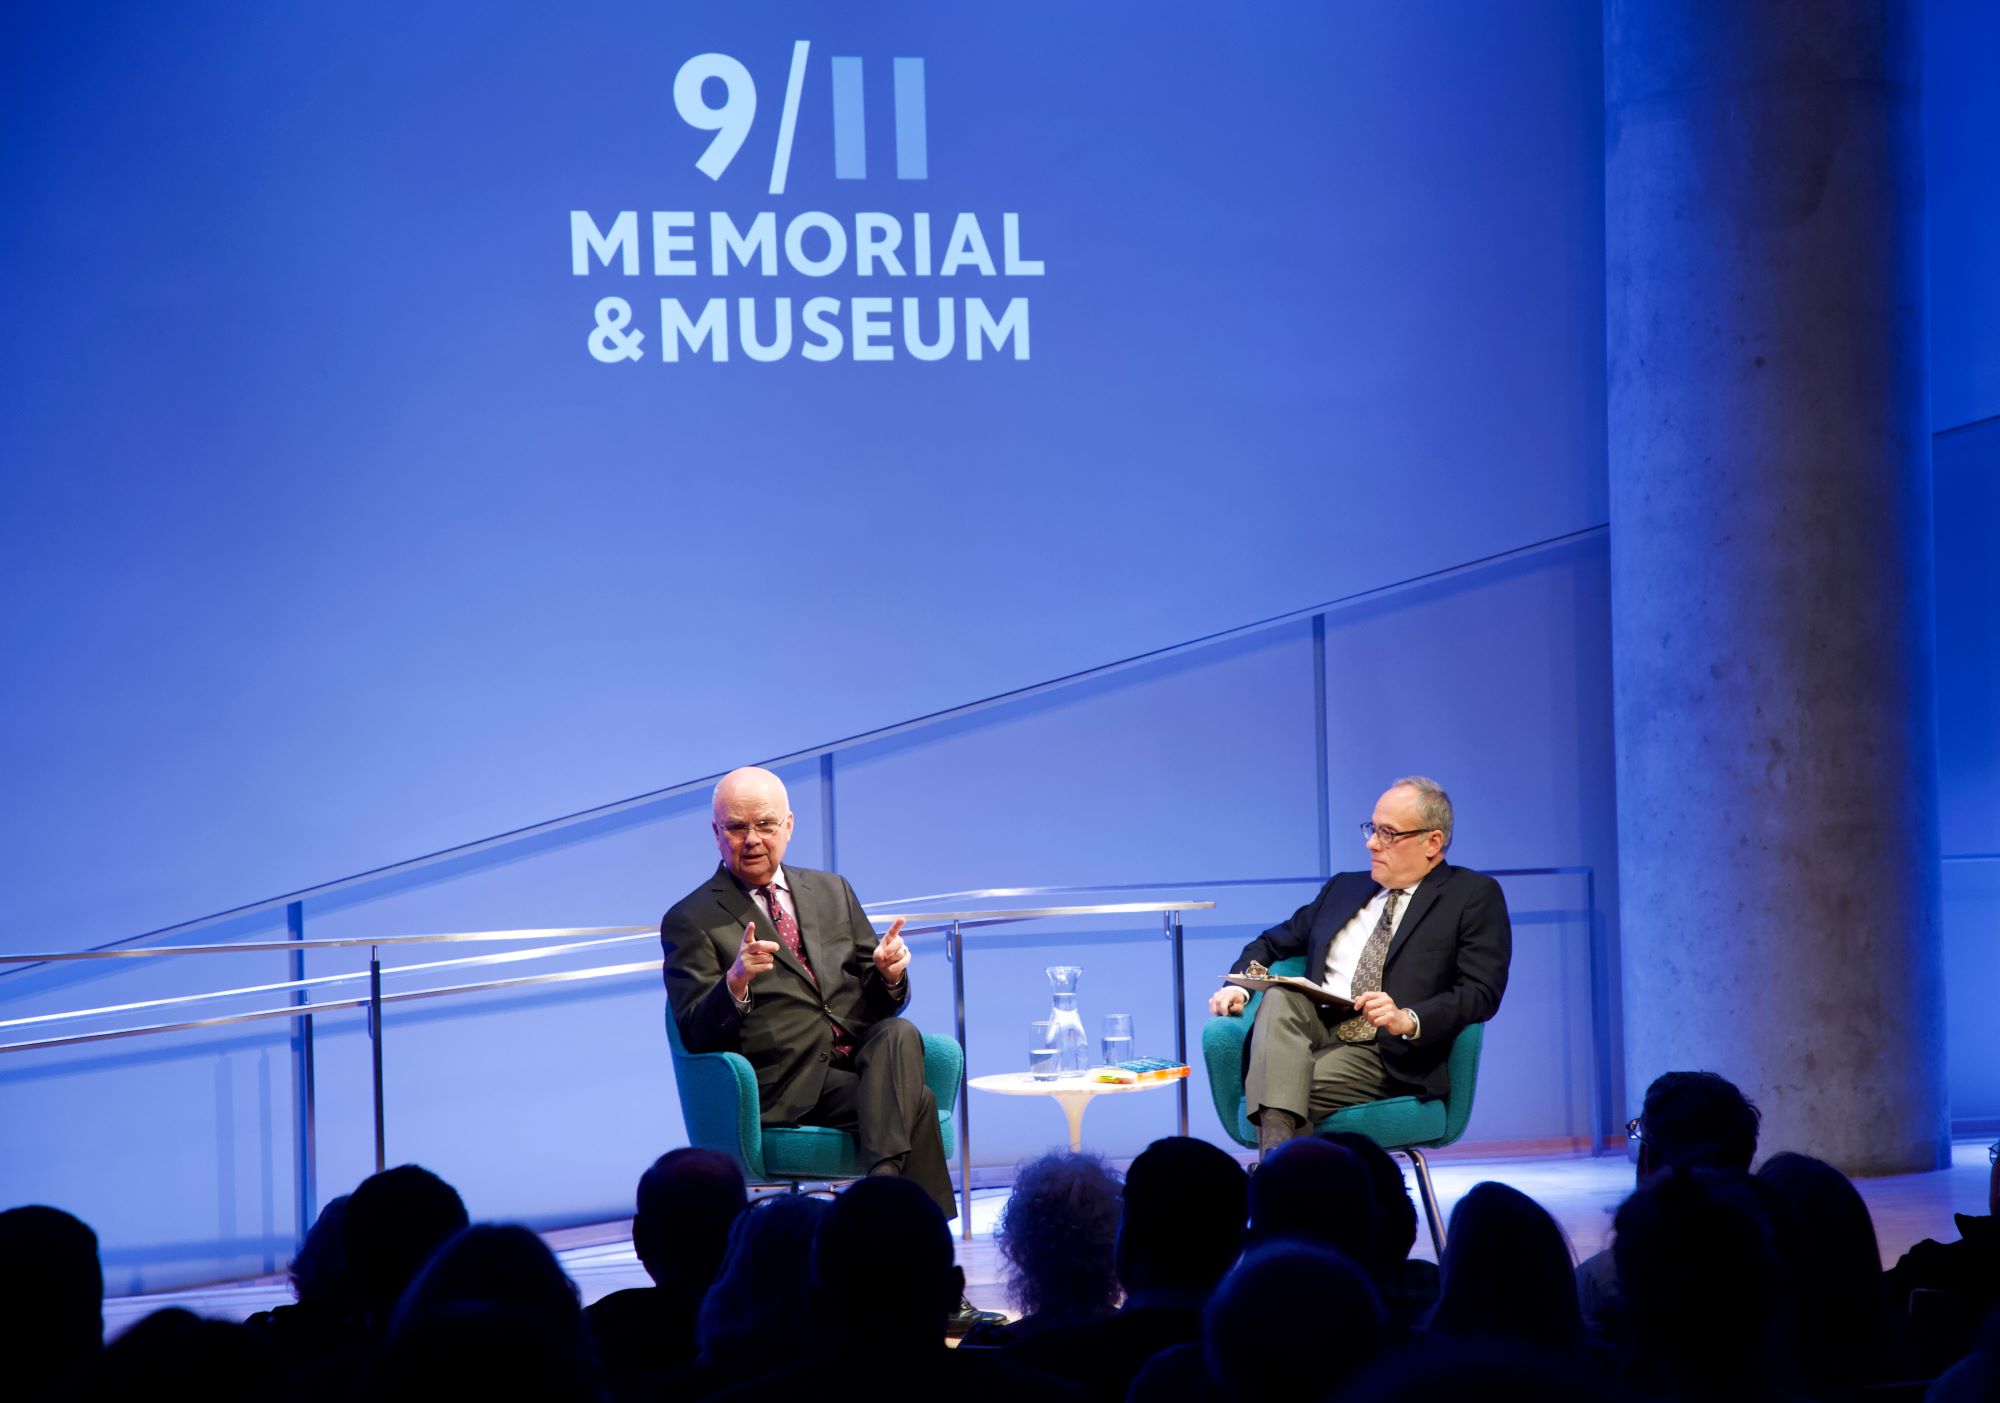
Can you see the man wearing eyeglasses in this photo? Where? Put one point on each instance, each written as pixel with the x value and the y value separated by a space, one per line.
pixel 1420 947
pixel 780 964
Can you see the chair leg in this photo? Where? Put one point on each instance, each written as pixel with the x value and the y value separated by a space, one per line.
pixel 1429 1196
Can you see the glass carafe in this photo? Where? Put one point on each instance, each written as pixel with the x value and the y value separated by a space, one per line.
pixel 1072 1044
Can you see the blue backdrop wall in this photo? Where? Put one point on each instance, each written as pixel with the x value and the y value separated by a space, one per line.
pixel 344 519
pixel 340 544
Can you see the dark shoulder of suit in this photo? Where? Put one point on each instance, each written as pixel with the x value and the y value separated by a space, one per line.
pixel 1104 1356
pixel 960 1376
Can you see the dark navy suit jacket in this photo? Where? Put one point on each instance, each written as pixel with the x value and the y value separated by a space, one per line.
pixel 1448 962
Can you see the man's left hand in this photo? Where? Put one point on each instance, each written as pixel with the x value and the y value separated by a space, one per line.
pixel 1381 1011
pixel 892 956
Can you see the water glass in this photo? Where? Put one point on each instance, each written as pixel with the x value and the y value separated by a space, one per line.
pixel 1044 1058
pixel 1117 1037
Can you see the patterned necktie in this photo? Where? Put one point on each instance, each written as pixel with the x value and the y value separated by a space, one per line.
pixel 1368 971
pixel 788 931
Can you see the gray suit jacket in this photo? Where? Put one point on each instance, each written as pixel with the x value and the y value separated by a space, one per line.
pixel 785 1034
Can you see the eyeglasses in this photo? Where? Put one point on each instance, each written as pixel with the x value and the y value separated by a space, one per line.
pixel 738 830
pixel 1635 1132
pixel 1993 1153
pixel 1372 831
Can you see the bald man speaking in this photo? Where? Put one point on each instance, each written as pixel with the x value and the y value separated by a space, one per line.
pixel 780 964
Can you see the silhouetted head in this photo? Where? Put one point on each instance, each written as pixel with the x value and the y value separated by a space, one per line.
pixel 1311 1190
pixel 1057 1233
pixel 1507 1273
pixel 499 1264
pixel 1280 1283
pixel 51 1296
pixel 1184 1206
pixel 1696 1118
pixel 1843 1330
pixel 882 1266
pixel 688 1201
pixel 766 1276
pixel 482 1350
pixel 319 1273
pixel 1392 1195
pixel 216 1359
pixel 395 1220
pixel 1440 1367
pixel 1699 1267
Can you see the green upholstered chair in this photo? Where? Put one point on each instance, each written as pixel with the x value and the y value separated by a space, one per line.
pixel 1408 1125
pixel 719 1104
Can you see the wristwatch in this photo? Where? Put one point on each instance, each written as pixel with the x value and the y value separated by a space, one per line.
pixel 1416 1026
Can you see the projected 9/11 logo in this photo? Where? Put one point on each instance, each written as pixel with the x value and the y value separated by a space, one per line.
pixel 717 93
pixel 731 122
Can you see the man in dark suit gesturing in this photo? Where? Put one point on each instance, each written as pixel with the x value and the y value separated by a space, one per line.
pixel 1420 946
pixel 780 964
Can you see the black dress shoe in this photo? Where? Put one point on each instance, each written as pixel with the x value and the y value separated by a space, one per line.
pixel 969 1316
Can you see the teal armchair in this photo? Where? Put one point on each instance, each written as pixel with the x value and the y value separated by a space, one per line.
pixel 718 1094
pixel 1408 1125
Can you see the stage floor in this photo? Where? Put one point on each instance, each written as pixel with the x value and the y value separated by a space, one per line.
pixel 1580 1191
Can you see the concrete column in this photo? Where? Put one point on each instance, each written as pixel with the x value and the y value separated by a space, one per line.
pixel 1772 628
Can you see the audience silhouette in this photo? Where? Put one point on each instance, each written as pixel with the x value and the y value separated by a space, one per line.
pixel 51 1300
pixel 1180 1229
pixel 766 1276
pixel 1057 1235
pixel 328 1317
pixel 1721 1285
pixel 1703 1282
pixel 688 1200
pixel 1508 1274
pixel 1312 1190
pixel 1692 1118
pixel 395 1221
pixel 1843 1329
pixel 1409 1285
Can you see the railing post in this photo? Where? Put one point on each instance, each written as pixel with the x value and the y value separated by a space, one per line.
pixel 954 951
pixel 1173 919
pixel 1602 1114
pixel 829 850
pixel 305 1117
pixel 1320 746
pixel 375 1047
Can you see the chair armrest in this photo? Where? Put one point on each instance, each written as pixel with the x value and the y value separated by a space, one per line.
pixel 1222 1042
pixel 944 1069
pixel 718 1095
pixel 1464 1065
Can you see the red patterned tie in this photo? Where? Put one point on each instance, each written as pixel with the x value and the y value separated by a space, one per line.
pixel 788 931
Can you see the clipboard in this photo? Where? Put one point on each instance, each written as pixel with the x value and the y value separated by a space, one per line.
pixel 1257 980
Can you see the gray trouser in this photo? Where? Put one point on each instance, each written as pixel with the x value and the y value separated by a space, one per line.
pixel 1298 1064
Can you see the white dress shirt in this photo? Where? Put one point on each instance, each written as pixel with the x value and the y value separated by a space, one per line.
pixel 1348 942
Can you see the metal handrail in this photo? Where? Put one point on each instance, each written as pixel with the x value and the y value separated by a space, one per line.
pixel 503 958
pixel 827 749
pixel 369 1001
pixel 1315 880
pixel 953 925
pixel 244 947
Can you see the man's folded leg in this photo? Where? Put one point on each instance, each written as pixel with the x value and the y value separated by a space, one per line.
pixel 892 1113
pixel 1277 1088
pixel 1348 1074
pixel 898 1113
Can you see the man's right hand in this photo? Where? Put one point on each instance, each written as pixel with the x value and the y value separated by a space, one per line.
pixel 753 957
pixel 1228 1001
